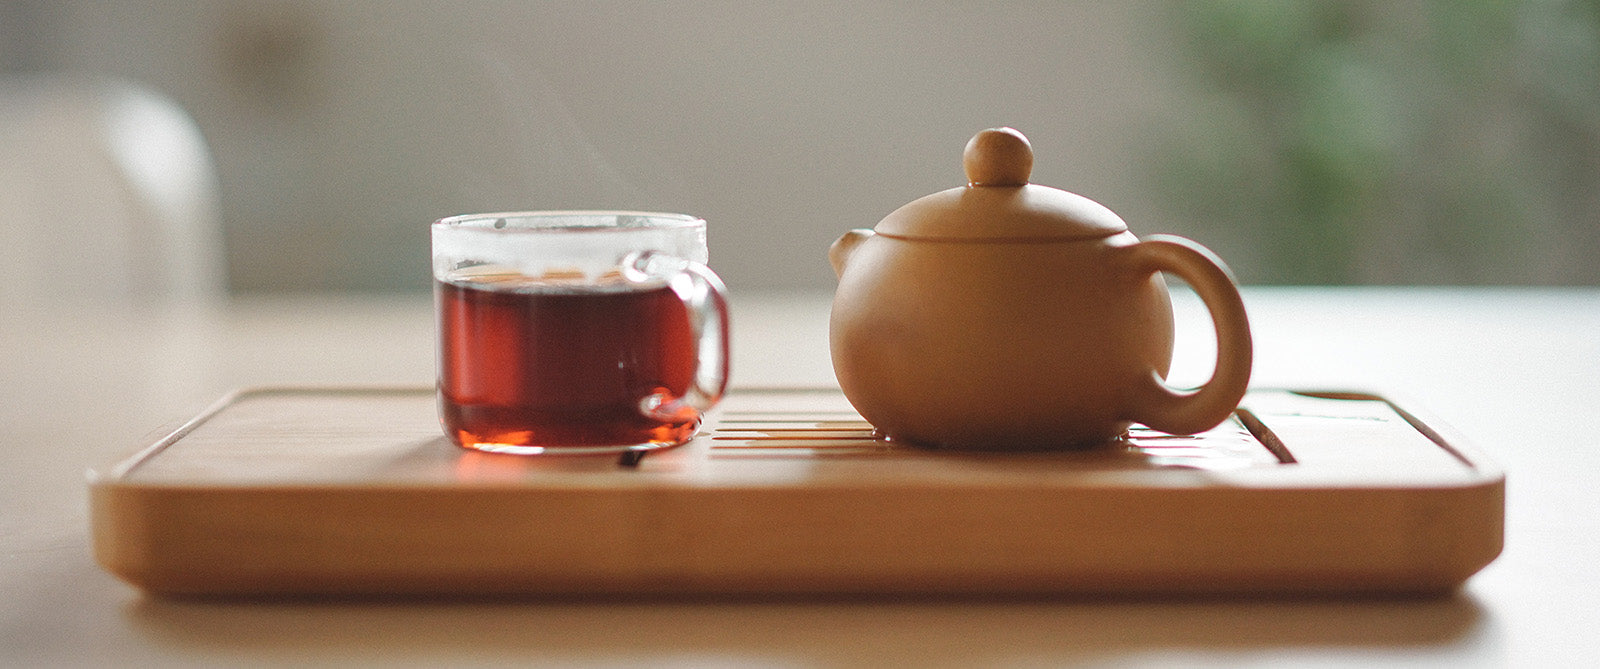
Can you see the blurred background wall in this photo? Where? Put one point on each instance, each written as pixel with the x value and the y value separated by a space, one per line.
pixel 1362 141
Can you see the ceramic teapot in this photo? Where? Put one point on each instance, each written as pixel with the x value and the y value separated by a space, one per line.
pixel 1006 315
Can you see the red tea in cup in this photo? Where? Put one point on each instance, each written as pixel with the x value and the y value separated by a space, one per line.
pixel 526 362
pixel 576 332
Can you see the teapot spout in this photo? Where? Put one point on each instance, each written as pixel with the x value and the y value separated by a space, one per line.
pixel 839 253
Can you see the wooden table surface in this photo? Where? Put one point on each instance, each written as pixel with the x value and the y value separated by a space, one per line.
pixel 1515 370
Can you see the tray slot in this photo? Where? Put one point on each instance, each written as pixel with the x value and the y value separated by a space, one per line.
pixel 1416 423
pixel 792 434
pixel 799 434
pixel 1356 430
pixel 795 434
pixel 1269 439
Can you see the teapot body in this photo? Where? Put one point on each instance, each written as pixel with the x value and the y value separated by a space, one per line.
pixel 1005 315
pixel 997 344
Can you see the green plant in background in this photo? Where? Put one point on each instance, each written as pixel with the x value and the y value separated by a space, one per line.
pixel 1371 141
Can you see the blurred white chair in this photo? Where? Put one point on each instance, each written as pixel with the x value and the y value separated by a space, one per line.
pixel 108 195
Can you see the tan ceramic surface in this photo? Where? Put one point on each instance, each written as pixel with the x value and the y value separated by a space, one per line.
pixel 1004 314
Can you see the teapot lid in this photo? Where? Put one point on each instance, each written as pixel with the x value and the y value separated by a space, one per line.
pixel 998 203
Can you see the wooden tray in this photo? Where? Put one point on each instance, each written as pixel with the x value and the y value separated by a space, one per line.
pixel 356 492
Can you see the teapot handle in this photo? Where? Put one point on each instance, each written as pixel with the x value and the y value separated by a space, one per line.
pixel 1187 412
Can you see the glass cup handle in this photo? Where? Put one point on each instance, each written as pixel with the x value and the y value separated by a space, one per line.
pixel 705 300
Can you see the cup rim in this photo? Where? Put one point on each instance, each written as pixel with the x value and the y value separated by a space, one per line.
pixel 658 221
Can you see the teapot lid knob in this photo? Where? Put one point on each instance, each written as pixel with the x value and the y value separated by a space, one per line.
pixel 998 157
